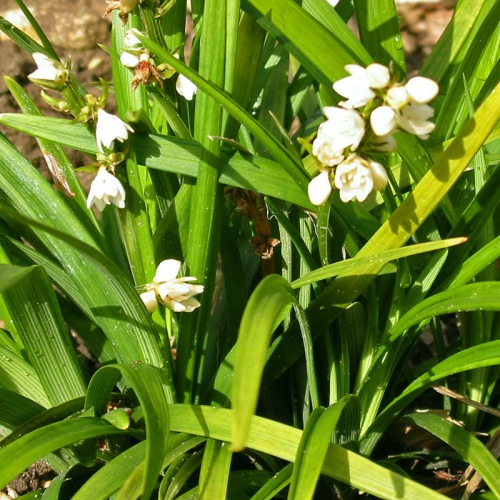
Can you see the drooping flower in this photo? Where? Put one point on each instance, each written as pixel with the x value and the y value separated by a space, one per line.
pixel 344 128
pixel 106 189
pixel 356 177
pixel 110 128
pixel 185 87
pixel 175 293
pixel 50 74
pixel 358 87
pixel 320 188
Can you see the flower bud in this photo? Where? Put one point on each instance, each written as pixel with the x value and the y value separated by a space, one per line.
pixel 383 120
pixel 320 188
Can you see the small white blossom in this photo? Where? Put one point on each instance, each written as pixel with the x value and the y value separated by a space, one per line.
pixel 185 87
pixel 106 189
pixel 383 120
pixel 358 87
pixel 344 128
pixel 356 178
pixel 414 120
pixel 175 293
pixel 320 188
pixel 110 128
pixel 50 74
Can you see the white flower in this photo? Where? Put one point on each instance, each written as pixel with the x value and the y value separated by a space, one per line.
pixel 344 128
pixel 185 87
pixel 320 188
pixel 358 87
pixel 413 118
pixel 50 74
pixel 383 120
pixel 356 178
pixel 421 90
pixel 110 128
pixel 106 189
pixel 175 293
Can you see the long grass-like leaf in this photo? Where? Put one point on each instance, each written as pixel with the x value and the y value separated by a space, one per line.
pixel 34 307
pixel 483 296
pixel 171 154
pixel 312 450
pixel 282 441
pixel 26 450
pixel 357 264
pixel 268 303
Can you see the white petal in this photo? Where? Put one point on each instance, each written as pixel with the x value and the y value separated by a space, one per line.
pixel 319 188
pixel 397 97
pixel 47 68
pixel 355 87
pixel 190 304
pixel 379 175
pixel 422 90
pixel 378 76
pixel 131 40
pixel 129 60
pixel 175 306
pixel 149 299
pixel 344 127
pixel 413 119
pixel 385 144
pixel 167 270
pixel 185 87
pixel 383 120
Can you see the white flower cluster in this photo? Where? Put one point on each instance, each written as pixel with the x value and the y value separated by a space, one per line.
pixel 344 139
pixel 175 293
